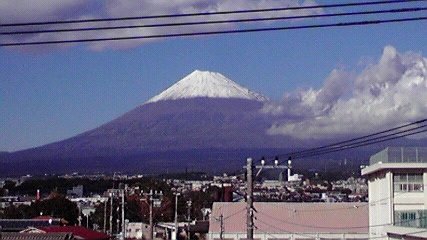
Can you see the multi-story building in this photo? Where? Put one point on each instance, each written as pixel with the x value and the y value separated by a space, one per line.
pixel 397 198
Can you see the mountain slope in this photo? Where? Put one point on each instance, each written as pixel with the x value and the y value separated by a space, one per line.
pixel 215 134
pixel 198 123
pixel 204 120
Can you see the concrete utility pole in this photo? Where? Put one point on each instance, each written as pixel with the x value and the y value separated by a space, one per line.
pixel 123 214
pixel 189 218
pixel 111 213
pixel 221 226
pixel 151 215
pixel 151 200
pixel 249 205
pixel 175 233
pixel 105 216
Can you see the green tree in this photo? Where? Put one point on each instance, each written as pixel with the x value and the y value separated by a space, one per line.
pixel 58 207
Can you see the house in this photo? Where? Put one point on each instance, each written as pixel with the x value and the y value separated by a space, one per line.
pixel 78 232
pixel 397 198
pixel 286 220
pixel 17 225
pixel 136 230
pixel 35 236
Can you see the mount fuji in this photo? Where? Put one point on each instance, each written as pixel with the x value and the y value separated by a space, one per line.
pixel 207 84
pixel 203 122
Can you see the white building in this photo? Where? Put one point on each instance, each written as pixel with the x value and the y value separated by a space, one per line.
pixel 136 230
pixel 397 196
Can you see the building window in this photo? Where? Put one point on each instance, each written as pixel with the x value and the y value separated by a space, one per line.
pixel 412 218
pixel 408 182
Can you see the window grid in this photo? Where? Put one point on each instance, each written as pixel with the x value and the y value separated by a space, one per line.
pixel 408 182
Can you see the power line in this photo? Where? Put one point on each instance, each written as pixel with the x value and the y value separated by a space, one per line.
pixel 211 13
pixel 353 143
pixel 404 131
pixel 285 231
pixel 397 135
pixel 350 227
pixel 399 10
pixel 366 204
pixel 356 139
pixel 342 24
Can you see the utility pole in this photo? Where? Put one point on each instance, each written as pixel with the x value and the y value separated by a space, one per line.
pixel 249 206
pixel 221 226
pixel 123 214
pixel 111 213
pixel 151 202
pixel 151 215
pixel 249 199
pixel 105 216
pixel 175 233
pixel 189 218
pixel 80 214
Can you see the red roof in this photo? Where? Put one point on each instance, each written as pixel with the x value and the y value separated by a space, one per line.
pixel 77 231
pixel 283 217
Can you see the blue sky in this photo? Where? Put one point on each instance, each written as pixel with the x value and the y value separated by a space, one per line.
pixel 50 93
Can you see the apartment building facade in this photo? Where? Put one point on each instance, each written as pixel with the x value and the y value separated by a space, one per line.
pixel 397 178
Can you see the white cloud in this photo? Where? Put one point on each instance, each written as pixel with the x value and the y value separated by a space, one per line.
pixel 18 11
pixel 390 93
pixel 51 10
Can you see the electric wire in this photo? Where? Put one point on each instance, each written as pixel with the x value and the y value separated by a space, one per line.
pixel 360 141
pixel 400 10
pixel 350 227
pixel 354 143
pixel 355 139
pixel 353 4
pixel 408 132
pixel 334 147
pixel 315 237
pixel 336 228
pixel 343 208
pixel 285 231
pixel 205 33
pixel 229 216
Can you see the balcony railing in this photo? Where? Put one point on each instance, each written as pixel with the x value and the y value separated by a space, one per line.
pixel 400 155
pixel 411 218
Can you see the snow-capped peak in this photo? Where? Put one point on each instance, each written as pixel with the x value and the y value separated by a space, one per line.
pixel 207 84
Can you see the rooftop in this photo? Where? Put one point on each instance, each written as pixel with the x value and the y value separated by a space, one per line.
pixel 400 155
pixel 285 217
pixel 397 158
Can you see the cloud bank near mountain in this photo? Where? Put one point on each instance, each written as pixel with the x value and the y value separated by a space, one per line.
pixel 386 94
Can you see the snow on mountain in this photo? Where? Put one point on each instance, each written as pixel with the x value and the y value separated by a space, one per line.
pixel 207 84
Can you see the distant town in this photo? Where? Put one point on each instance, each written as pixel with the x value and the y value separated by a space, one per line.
pixel 249 204
pixel 96 201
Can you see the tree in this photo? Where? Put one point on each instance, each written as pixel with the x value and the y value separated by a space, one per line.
pixel 17 212
pixel 57 206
